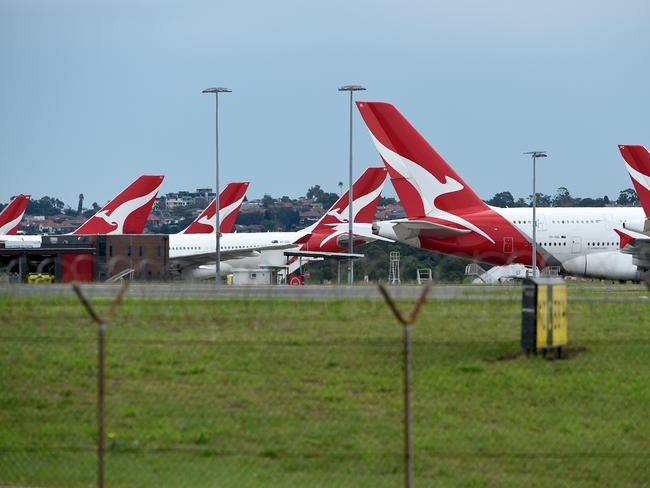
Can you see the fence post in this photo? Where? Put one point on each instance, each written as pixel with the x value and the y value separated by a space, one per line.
pixel 101 390
pixel 101 375
pixel 407 365
pixel 408 431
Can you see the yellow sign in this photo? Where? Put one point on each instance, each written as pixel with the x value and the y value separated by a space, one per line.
pixel 551 315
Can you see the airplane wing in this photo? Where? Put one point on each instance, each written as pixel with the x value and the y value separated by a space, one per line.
pixel 211 257
pixel 636 244
pixel 323 254
pixel 411 229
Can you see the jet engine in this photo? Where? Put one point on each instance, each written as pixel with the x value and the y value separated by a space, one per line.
pixel 205 271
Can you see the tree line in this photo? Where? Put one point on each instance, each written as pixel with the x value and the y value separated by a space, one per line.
pixel 563 198
pixel 278 216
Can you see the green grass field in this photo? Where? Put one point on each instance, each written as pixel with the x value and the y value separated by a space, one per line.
pixel 256 393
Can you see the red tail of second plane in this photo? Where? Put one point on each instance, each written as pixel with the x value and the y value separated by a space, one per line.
pixel 230 201
pixel 128 212
pixel 366 192
pixel 327 234
pixel 12 214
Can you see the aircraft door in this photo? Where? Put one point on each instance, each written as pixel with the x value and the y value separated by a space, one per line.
pixel 576 244
pixel 508 245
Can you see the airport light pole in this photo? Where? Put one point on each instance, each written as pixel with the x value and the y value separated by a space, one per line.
pixel 217 226
pixel 534 155
pixel 351 89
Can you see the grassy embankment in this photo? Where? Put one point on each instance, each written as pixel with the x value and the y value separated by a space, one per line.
pixel 259 393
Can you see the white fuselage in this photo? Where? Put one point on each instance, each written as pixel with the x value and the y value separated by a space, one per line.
pixel 185 245
pixel 581 240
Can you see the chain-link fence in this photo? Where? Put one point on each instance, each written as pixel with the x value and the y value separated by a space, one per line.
pixel 274 391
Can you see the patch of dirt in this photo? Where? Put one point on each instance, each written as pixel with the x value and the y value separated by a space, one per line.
pixel 567 353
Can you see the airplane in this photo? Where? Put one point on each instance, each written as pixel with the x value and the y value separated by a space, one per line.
pixel 126 214
pixel 444 214
pixel 193 255
pixel 635 235
pixel 12 214
pixel 230 201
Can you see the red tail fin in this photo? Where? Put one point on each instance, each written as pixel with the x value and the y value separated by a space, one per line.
pixel 12 214
pixel 366 192
pixel 127 213
pixel 637 160
pixel 427 186
pixel 230 201
pixel 425 183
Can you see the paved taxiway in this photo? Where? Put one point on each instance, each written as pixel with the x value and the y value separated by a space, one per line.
pixel 618 293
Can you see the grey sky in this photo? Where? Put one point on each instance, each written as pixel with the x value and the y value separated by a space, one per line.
pixel 93 94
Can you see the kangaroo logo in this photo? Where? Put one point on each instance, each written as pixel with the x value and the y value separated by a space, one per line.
pixel 359 204
pixel 429 188
pixel 116 217
pixel 208 216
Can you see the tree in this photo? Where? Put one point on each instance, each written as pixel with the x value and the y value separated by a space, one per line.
pixel 520 203
pixel 590 202
pixel 92 211
pixel 563 198
pixel 628 198
pixel 250 218
pixel 267 201
pixel 542 200
pixel 315 192
pixel 387 201
pixel 45 206
pixel 288 218
pixel 328 199
pixel 502 199
pixel 318 194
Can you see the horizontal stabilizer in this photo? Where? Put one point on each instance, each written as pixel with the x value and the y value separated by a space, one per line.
pixel 630 239
pixel 411 229
pixel 365 232
pixel 637 245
